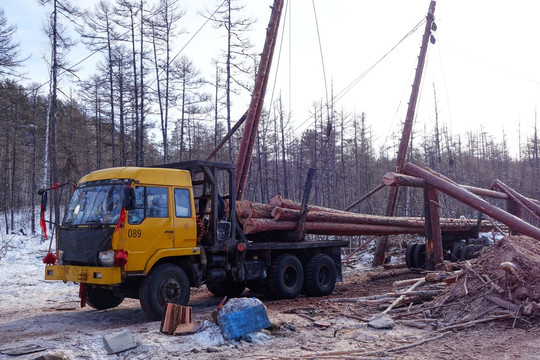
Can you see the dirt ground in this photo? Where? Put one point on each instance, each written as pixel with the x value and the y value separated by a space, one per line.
pixel 303 328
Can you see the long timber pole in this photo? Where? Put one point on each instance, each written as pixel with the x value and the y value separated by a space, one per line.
pixel 243 160
pixel 391 202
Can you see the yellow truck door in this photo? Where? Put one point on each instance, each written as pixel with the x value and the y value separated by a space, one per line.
pixel 149 226
pixel 185 225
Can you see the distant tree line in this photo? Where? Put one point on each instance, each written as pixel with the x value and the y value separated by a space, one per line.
pixel 144 106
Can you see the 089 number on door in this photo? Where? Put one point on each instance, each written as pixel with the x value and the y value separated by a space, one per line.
pixel 134 233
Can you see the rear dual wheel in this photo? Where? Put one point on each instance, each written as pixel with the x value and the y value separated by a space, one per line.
pixel 470 252
pixel 455 256
pixel 415 256
pixel 465 252
pixel 287 277
pixel 320 275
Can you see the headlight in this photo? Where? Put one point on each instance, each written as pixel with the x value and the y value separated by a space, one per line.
pixel 106 258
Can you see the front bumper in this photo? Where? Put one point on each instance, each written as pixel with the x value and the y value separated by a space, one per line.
pixel 84 274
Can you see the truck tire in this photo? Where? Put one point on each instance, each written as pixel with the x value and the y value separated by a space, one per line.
pixel 166 283
pixel 259 287
pixel 285 277
pixel 420 256
pixel 319 275
pixel 101 299
pixel 226 288
pixel 409 256
pixel 470 252
pixel 456 253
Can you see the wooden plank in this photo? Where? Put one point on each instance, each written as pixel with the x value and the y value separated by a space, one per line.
pixel 174 315
pixel 188 328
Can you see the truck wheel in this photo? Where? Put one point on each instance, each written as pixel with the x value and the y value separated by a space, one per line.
pixel 420 256
pixel 409 256
pixel 226 288
pixel 101 299
pixel 166 283
pixel 470 252
pixel 320 275
pixel 259 287
pixel 456 253
pixel 285 277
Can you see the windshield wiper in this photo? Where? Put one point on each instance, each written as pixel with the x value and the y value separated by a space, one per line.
pixel 94 221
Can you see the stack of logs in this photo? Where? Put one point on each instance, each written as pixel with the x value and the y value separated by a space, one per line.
pixel 283 215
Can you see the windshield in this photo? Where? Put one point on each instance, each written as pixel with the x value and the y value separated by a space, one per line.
pixel 95 204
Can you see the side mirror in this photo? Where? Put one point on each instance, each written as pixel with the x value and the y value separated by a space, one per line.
pixel 129 198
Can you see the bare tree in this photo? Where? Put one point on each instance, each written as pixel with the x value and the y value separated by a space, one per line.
pixel 60 45
pixel 99 34
pixel 190 97
pixel 237 52
pixel 127 12
pixel 9 52
pixel 283 126
pixel 164 29
pixel 122 74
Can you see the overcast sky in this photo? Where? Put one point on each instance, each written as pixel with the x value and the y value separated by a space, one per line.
pixel 485 65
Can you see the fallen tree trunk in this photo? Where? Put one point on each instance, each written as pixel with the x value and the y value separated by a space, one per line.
pixel 394 179
pixel 458 192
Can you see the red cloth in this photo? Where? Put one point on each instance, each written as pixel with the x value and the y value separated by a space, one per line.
pixel 42 223
pixel 49 259
pixel 120 258
pixel 121 220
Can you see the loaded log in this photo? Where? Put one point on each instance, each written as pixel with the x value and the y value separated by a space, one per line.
pixel 282 214
pixel 278 201
pixel 246 209
pixel 256 225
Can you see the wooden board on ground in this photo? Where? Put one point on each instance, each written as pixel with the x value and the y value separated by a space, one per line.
pixel 190 328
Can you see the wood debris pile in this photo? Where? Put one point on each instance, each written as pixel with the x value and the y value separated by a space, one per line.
pixel 503 283
pixel 410 291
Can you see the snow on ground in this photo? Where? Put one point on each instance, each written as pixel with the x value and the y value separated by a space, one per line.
pixel 22 281
pixel 48 314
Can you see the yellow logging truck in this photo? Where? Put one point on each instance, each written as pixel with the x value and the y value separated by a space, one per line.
pixel 152 233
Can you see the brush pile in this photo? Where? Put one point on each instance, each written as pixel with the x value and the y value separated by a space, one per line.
pixel 504 282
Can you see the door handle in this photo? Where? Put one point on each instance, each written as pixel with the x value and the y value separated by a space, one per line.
pixel 169 231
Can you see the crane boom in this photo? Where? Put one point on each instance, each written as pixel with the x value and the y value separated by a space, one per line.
pixel 243 160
